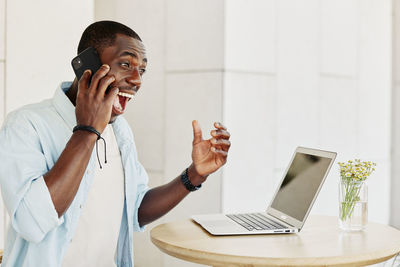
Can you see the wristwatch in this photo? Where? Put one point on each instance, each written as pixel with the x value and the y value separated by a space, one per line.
pixel 186 182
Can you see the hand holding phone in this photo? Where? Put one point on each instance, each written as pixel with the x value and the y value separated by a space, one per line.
pixel 92 110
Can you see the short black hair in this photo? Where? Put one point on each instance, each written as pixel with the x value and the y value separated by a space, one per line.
pixel 102 34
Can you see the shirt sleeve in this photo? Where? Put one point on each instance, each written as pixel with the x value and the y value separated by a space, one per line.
pixel 135 169
pixel 24 191
pixel 142 189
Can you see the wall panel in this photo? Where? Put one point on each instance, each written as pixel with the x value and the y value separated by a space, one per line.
pixel 250 35
pixel 2 28
pixel 340 37
pixel 297 77
pixel 41 41
pixel 194 35
pixel 249 113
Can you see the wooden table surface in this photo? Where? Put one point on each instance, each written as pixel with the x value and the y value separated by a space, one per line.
pixel 320 243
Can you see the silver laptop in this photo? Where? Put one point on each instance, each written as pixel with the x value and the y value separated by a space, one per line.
pixel 290 205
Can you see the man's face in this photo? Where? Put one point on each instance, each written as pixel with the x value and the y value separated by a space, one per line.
pixel 127 60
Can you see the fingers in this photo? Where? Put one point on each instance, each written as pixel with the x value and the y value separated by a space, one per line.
pixel 197 134
pixel 219 152
pixel 220 140
pixel 112 94
pixel 222 144
pixel 219 125
pixel 220 134
pixel 97 79
pixel 103 85
pixel 83 83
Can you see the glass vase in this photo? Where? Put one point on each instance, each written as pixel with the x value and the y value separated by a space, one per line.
pixel 353 205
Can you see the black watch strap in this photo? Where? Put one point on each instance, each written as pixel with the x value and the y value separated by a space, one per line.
pixel 186 182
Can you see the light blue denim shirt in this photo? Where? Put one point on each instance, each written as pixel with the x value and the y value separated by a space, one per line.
pixel 31 140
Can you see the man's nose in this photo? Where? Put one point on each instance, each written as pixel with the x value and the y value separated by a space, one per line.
pixel 135 78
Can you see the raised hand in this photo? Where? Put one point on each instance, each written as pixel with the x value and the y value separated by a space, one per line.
pixel 209 155
pixel 93 106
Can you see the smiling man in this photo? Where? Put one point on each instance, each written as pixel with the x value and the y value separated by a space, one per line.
pixel 68 209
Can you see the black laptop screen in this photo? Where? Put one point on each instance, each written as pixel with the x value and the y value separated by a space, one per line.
pixel 300 185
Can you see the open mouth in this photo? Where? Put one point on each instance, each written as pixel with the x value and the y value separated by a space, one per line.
pixel 120 102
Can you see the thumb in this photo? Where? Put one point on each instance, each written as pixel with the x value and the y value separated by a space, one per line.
pixel 197 136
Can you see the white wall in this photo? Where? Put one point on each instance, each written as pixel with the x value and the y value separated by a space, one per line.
pixel 183 82
pixel 310 73
pixel 395 170
pixel 146 113
pixel 2 102
pixel 40 46
pixel 38 39
pixel 278 73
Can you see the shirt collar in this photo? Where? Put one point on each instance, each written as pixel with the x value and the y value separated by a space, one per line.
pixel 63 105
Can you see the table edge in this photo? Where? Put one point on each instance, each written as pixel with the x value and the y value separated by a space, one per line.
pixel 217 259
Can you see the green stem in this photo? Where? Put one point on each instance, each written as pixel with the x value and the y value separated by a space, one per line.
pixel 352 191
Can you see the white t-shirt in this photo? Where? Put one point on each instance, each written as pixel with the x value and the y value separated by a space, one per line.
pixel 96 236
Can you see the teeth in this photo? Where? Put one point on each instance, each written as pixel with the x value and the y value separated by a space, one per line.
pixel 125 95
pixel 116 104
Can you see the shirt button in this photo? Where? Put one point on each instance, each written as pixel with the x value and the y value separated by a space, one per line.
pixel 80 206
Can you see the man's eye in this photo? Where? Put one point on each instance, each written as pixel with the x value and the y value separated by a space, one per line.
pixel 142 71
pixel 125 64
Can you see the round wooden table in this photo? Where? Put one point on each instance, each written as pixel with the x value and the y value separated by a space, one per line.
pixel 320 243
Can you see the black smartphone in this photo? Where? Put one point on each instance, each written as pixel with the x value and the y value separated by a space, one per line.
pixel 88 59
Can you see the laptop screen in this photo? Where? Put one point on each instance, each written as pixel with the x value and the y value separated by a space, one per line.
pixel 300 185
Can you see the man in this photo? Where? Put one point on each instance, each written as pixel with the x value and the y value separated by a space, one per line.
pixel 66 209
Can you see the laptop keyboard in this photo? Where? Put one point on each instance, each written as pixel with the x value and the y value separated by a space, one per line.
pixel 255 221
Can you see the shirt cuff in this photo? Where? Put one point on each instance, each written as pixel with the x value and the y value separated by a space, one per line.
pixel 136 225
pixel 39 203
